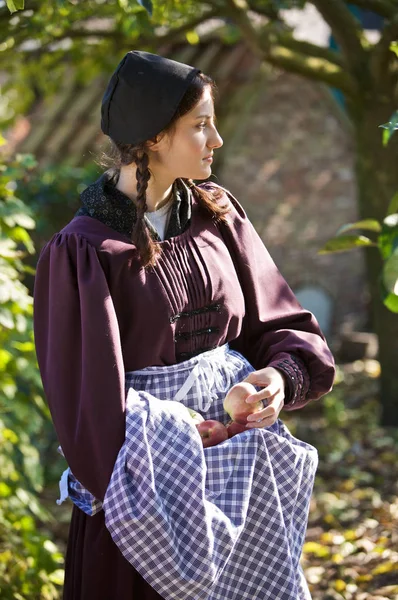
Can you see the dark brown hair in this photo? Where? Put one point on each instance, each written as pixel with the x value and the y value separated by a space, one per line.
pixel 120 154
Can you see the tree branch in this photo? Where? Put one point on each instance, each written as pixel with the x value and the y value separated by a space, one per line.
pixel 382 54
pixel 276 46
pixel 311 50
pixel 270 12
pixel 389 33
pixel 238 10
pixel 312 68
pixel 384 8
pixel 345 29
pixel 174 34
pixel 283 34
pixel 171 36
pixel 266 47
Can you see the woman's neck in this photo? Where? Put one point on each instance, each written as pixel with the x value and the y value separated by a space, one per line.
pixel 157 194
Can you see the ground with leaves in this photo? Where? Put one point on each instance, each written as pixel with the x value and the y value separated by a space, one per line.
pixel 351 549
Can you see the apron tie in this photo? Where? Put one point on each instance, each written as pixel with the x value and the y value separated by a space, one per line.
pixel 204 368
pixel 63 487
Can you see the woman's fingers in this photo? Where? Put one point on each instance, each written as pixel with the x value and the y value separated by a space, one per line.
pixel 267 392
pixel 268 415
pixel 258 378
pixel 273 393
pixel 267 412
pixel 268 378
pixel 261 424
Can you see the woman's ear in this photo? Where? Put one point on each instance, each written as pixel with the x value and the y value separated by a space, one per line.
pixel 157 143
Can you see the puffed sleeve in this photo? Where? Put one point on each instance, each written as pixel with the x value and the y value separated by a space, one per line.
pixel 276 328
pixel 80 359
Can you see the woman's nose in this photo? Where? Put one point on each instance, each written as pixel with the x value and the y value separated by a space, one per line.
pixel 216 140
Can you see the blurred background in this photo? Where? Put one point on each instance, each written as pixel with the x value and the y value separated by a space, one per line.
pixel 307 108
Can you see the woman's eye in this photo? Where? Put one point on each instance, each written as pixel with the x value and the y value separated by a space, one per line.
pixel 201 125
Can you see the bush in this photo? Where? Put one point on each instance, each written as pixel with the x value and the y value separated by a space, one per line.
pixel 30 564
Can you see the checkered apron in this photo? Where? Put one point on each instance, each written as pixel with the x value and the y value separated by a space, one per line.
pixel 221 523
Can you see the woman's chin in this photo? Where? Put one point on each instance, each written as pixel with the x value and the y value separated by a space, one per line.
pixel 200 174
pixel 205 173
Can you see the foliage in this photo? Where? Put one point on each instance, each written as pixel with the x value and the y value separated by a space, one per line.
pixel 29 561
pixel 53 195
pixel 147 4
pixel 89 34
pixel 386 241
pixel 14 5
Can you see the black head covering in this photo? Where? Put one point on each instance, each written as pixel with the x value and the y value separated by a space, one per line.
pixel 143 95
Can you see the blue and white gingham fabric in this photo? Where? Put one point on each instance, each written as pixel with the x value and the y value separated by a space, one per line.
pixel 222 523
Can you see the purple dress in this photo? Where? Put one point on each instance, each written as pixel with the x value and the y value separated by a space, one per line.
pixel 98 315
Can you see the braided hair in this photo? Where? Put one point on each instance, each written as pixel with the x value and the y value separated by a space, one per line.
pixel 149 249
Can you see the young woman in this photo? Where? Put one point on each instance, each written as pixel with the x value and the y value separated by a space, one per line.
pixel 160 290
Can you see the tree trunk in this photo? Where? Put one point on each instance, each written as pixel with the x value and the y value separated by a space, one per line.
pixel 377 182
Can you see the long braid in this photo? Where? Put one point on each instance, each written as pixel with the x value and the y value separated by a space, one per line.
pixel 147 247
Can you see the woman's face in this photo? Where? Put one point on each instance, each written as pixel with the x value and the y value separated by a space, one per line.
pixel 184 153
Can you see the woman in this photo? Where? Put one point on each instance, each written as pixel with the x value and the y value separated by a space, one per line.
pixel 159 289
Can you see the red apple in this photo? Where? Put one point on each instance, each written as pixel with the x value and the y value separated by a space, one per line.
pixel 212 432
pixel 235 402
pixel 233 428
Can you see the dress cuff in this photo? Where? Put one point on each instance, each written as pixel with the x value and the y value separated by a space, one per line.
pixel 297 380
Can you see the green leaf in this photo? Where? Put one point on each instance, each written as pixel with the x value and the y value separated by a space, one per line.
pixel 14 5
pixel 24 346
pixel 6 318
pixel 391 302
pixel 368 224
pixel 192 38
pixel 390 127
pixel 385 137
pixel 390 273
pixel 390 299
pixel 388 238
pixel 5 358
pixel 57 577
pixel 50 546
pixel 393 206
pixel 27 161
pixel 10 435
pixel 345 242
pixel 394 47
pixel 30 501
pixel 147 4
pixel 391 220
pixel 19 234
pixel 5 490
pixel 21 219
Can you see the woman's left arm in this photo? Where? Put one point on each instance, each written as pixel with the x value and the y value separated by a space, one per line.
pixel 281 339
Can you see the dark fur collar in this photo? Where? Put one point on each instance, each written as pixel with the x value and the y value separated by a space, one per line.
pixel 103 201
